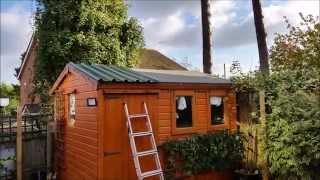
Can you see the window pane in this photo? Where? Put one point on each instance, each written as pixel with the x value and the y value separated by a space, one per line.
pixel 72 100
pixel 217 110
pixel 183 111
pixel 72 109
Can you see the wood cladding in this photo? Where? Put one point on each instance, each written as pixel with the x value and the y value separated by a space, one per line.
pixel 97 145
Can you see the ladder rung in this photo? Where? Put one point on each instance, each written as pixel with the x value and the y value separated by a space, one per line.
pixel 136 155
pixel 145 153
pixel 138 115
pixel 151 173
pixel 141 134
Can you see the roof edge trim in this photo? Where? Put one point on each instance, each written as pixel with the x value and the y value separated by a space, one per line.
pixel 25 56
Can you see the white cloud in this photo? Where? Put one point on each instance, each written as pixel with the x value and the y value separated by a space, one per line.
pixel 16 30
pixel 167 24
pixel 155 33
pixel 274 15
pixel 222 12
pixel 171 28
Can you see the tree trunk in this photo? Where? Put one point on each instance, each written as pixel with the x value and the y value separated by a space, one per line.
pixel 206 36
pixel 264 68
pixel 261 36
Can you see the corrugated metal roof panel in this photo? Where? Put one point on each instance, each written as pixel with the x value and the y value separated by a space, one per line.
pixel 111 73
pixel 177 76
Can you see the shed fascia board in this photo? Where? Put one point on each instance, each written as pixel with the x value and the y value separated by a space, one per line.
pixel 26 56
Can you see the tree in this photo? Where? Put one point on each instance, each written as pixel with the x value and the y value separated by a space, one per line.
pixel 83 31
pixel 10 91
pixel 261 36
pixel 293 93
pixel 206 36
pixel 294 88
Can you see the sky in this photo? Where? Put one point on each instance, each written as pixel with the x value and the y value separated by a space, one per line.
pixel 172 27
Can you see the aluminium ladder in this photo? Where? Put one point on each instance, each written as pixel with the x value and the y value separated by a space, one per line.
pixel 149 133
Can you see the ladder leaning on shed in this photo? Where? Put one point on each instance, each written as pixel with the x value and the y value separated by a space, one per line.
pixel 152 152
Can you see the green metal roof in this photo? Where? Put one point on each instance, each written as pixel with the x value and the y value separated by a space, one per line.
pixel 111 73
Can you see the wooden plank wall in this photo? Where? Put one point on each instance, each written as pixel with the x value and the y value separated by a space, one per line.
pixel 80 151
pixel 164 129
pixel 201 122
pixel 202 111
pixel 81 145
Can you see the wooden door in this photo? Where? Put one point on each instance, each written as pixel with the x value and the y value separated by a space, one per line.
pixel 118 161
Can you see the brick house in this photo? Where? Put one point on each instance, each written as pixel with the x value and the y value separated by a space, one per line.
pixel 26 75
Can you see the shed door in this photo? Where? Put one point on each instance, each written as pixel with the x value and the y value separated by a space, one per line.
pixel 118 161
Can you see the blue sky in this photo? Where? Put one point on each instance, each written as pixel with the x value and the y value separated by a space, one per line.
pixel 172 27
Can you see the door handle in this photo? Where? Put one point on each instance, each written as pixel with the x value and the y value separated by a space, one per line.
pixel 108 153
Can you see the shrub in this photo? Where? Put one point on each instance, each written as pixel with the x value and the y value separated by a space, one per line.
pixel 204 152
pixel 293 94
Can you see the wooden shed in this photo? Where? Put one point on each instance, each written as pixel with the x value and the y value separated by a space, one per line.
pixel 92 137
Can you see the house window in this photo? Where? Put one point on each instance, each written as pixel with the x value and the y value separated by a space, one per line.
pixel 72 109
pixel 183 111
pixel 217 110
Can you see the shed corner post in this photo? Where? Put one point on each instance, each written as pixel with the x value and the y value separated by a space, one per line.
pixel 100 124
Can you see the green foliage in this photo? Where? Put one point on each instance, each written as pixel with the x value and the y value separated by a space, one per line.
pixel 10 91
pixel 204 152
pixel 299 49
pixel 293 94
pixel 87 31
pixel 294 124
pixel 4 160
pixel 294 136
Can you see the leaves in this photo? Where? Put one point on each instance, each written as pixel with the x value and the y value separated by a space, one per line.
pixel 3 160
pixel 10 91
pixel 199 153
pixel 293 94
pixel 294 124
pixel 83 31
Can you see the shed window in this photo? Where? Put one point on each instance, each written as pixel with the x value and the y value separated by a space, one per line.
pixel 217 110
pixel 72 109
pixel 183 111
